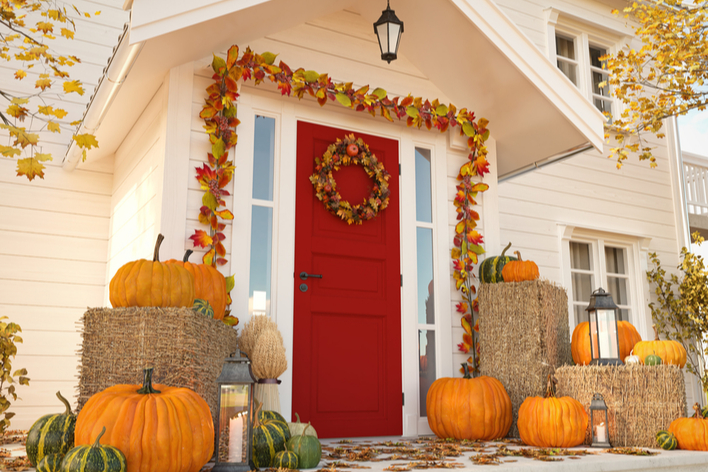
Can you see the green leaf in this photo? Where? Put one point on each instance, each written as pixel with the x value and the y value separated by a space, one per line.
pixel 230 283
pixel 218 63
pixel 468 129
pixel 344 100
pixel 209 201
pixel 379 93
pixel 269 58
pixel 218 148
pixel 477 249
pixel 412 111
pixel 485 135
pixel 311 76
pixel 441 110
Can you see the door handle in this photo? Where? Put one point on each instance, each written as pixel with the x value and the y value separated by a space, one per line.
pixel 305 276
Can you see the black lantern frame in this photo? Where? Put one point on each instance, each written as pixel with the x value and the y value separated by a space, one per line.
pixel 599 440
pixel 236 373
pixel 602 311
pixel 392 27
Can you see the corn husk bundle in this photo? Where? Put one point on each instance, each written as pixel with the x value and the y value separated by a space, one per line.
pixel 252 330
pixel 268 360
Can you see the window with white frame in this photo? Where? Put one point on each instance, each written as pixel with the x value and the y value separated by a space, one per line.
pixel 596 263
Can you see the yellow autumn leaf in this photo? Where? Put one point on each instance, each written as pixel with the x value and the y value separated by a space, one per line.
pixel 30 168
pixel 53 127
pixel 19 101
pixel 42 157
pixel 85 141
pixel 43 83
pixel 20 74
pixel 67 33
pixel 73 86
pixel 59 113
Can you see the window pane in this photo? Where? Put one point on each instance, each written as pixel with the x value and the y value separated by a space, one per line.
pixel 263 158
pixel 580 313
pixel 603 105
pixel 426 365
pixel 580 256
pixel 565 47
pixel 582 287
pixel 623 314
pixel 261 253
pixel 614 260
pixel 569 70
pixel 423 199
pixel 617 287
pixel 595 54
pixel 597 78
pixel 426 309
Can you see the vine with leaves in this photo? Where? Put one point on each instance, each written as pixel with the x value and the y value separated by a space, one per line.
pixel 219 114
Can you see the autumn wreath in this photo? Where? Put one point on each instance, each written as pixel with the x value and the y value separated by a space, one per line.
pixel 345 152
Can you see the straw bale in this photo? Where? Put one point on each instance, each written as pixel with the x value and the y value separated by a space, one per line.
pixel 255 326
pixel 269 360
pixel 524 336
pixel 185 348
pixel 641 400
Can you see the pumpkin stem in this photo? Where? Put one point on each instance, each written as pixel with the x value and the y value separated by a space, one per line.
pixel 656 333
pixel 505 249
pixel 65 402
pixel 187 253
pixel 256 421
pixel 550 387
pixel 698 414
pixel 518 255
pixel 98 439
pixel 466 368
pixel 147 383
pixel 156 254
pixel 306 428
pixel 298 417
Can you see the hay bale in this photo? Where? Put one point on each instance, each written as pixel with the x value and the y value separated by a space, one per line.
pixel 524 336
pixel 641 400
pixel 185 348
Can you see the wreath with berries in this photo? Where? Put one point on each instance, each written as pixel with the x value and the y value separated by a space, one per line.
pixel 346 152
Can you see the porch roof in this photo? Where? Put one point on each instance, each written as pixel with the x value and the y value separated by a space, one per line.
pixel 469 48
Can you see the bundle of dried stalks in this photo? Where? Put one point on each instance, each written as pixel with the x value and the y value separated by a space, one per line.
pixel 185 348
pixel 253 329
pixel 641 400
pixel 268 361
pixel 524 336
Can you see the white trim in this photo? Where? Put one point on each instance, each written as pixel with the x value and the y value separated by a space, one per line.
pixel 678 183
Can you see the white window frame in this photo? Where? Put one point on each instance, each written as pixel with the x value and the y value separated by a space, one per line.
pixel 636 248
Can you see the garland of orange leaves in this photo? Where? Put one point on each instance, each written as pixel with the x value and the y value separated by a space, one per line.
pixel 219 115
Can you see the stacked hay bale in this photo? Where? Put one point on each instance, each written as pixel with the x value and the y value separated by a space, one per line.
pixel 524 336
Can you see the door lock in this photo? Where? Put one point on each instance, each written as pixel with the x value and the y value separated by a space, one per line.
pixel 305 276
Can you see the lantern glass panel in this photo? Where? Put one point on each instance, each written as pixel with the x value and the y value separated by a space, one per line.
pixel 599 427
pixel 607 334
pixel 394 34
pixel 382 31
pixel 233 423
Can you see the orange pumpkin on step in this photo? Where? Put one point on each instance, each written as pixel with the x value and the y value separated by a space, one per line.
pixel 158 428
pixel 519 270
pixel 691 433
pixel 467 408
pixel 209 283
pixel 580 342
pixel 671 352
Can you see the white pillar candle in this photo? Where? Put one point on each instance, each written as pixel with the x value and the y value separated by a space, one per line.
pixel 236 439
pixel 600 433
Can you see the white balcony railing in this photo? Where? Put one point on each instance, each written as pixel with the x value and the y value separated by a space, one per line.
pixel 695 171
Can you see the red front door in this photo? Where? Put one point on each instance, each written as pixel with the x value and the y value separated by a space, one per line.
pixel 347 325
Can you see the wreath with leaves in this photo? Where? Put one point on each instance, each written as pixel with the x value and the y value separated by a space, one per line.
pixel 346 152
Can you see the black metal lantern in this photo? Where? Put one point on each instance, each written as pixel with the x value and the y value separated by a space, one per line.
pixel 604 336
pixel 388 30
pixel 599 425
pixel 234 429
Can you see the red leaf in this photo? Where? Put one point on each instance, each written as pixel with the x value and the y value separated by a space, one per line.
pixel 200 238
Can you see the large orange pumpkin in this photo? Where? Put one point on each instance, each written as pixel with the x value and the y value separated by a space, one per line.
pixel 209 283
pixel 691 433
pixel 671 352
pixel 158 428
pixel 519 270
pixel 580 343
pixel 551 421
pixel 152 283
pixel 467 408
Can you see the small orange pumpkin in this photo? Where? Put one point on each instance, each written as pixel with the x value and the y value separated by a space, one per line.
pixel 209 283
pixel 580 343
pixel 520 270
pixel 691 433
pixel 151 283
pixel 671 352
pixel 551 421
pixel 467 408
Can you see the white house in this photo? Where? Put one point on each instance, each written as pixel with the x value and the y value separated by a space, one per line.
pixel 354 336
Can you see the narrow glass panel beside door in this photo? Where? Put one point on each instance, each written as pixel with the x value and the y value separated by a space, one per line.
pixel 261 260
pixel 263 158
pixel 426 365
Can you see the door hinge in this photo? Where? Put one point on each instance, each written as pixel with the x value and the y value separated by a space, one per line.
pixel 401 280
pixel 403 398
pixel 399 169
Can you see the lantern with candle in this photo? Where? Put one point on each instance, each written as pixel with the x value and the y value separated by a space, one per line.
pixel 604 338
pixel 598 422
pixel 234 430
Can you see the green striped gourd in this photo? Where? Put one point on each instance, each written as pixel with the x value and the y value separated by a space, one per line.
pixel 203 307
pixel 95 458
pixel 51 434
pixel 285 460
pixel 270 434
pixel 490 270
pixel 307 448
pixel 50 463
pixel 666 440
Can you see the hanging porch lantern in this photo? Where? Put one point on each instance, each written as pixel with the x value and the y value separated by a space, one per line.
pixel 599 425
pixel 388 30
pixel 234 429
pixel 604 337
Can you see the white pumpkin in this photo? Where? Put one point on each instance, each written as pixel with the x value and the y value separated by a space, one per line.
pixel 297 428
pixel 631 358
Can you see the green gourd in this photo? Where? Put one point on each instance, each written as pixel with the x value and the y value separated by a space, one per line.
pixel 666 440
pixel 307 448
pixel 285 460
pixel 51 434
pixel 50 463
pixel 652 359
pixel 95 458
pixel 490 270
pixel 203 307
pixel 270 434
pixel 297 428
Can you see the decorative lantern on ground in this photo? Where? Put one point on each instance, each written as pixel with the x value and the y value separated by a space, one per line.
pixel 234 428
pixel 604 337
pixel 598 422
pixel 388 30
